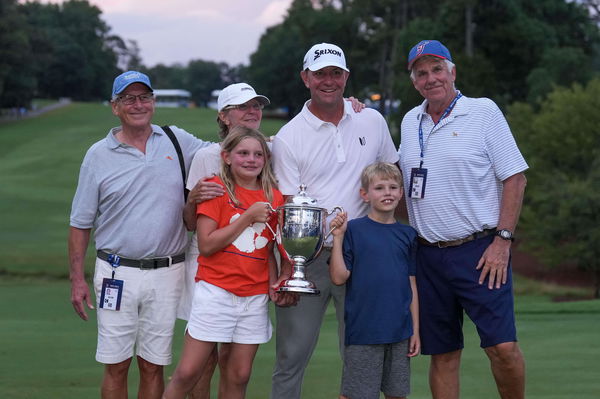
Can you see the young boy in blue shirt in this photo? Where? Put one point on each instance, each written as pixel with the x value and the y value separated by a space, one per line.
pixel 375 257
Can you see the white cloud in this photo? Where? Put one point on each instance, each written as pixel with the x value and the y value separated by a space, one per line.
pixel 274 13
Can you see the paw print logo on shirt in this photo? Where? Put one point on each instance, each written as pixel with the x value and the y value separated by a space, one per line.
pixel 251 238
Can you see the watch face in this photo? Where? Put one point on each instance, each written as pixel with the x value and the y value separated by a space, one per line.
pixel 507 235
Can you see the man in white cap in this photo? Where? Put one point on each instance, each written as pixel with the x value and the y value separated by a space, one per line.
pixel 130 192
pixel 326 147
pixel 464 180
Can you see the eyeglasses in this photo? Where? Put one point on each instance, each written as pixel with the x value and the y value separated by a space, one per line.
pixel 245 107
pixel 130 99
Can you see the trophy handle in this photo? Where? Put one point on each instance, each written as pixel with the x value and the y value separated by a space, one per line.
pixel 340 209
pixel 267 224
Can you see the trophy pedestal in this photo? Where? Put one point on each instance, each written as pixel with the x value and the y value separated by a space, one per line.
pixel 298 282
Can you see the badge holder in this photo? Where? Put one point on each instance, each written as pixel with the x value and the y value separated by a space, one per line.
pixel 418 178
pixel 112 289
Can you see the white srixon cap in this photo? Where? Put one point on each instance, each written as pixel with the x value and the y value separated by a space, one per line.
pixel 323 55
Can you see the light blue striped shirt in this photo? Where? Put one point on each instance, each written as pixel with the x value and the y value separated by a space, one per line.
pixel 467 156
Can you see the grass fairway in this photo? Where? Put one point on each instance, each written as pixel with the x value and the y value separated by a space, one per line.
pixel 39 165
pixel 48 352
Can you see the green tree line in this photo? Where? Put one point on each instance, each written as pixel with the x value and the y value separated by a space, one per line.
pixel 508 50
pixel 53 51
pixel 67 50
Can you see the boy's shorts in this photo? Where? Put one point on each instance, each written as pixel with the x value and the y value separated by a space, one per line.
pixel 448 284
pixel 220 316
pixel 146 318
pixel 371 369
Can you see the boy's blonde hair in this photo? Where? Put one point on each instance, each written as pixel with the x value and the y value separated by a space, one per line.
pixel 266 176
pixel 384 170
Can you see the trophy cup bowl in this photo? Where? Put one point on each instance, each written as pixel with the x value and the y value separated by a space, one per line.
pixel 302 231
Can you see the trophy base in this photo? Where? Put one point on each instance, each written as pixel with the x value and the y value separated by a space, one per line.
pixel 299 287
pixel 300 290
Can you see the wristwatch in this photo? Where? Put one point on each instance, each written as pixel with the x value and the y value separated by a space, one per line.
pixel 505 234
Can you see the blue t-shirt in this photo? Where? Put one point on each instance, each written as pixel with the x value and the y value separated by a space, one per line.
pixel 380 257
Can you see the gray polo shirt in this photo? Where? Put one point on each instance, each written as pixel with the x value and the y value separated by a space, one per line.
pixel 134 201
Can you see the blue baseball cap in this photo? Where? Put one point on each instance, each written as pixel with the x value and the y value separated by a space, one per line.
pixel 126 78
pixel 428 47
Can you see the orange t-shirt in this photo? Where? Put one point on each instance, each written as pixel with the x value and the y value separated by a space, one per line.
pixel 242 267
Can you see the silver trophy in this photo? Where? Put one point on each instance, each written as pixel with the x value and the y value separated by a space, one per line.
pixel 302 225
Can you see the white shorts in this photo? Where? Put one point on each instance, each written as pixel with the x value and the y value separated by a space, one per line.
pixel 220 316
pixel 146 318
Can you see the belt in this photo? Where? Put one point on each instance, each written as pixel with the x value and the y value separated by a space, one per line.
pixel 149 263
pixel 460 241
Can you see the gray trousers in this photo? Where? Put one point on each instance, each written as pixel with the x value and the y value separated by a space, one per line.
pixel 298 328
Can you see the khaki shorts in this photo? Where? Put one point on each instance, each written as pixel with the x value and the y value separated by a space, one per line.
pixel 147 315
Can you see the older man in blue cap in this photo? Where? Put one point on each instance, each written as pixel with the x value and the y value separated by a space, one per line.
pixel 130 192
pixel 464 179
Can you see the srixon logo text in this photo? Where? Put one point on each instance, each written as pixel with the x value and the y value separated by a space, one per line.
pixel 319 53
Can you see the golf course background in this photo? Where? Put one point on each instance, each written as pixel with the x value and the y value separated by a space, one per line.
pixel 46 351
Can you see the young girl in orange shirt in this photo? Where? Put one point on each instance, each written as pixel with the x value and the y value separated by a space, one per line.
pixel 237 271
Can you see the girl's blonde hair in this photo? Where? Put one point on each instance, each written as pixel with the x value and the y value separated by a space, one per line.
pixel 266 176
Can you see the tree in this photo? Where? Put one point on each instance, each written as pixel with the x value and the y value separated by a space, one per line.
pixel 202 77
pixel 561 142
pixel 17 79
pixel 72 47
pixel 127 52
pixel 167 77
pixel 520 38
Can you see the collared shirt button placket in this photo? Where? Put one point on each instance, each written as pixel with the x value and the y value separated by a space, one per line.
pixel 339 147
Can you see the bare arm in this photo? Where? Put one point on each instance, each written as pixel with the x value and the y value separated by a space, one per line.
pixel 80 292
pixel 337 266
pixel 212 239
pixel 494 261
pixel 275 279
pixel 415 341
pixel 189 211
pixel 202 191
pixel 283 298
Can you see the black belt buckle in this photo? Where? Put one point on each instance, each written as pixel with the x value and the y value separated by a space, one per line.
pixel 149 262
pixel 152 264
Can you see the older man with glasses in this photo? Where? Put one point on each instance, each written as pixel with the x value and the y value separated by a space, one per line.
pixel 130 192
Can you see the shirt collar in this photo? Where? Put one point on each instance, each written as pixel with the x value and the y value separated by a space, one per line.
pixel 114 143
pixel 460 108
pixel 317 123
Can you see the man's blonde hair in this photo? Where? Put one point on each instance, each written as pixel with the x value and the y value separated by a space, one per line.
pixel 385 170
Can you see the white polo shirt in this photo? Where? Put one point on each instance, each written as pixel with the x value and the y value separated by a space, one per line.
pixel 329 159
pixel 467 156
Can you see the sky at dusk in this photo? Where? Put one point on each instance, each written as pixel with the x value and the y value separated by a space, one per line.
pixel 182 30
